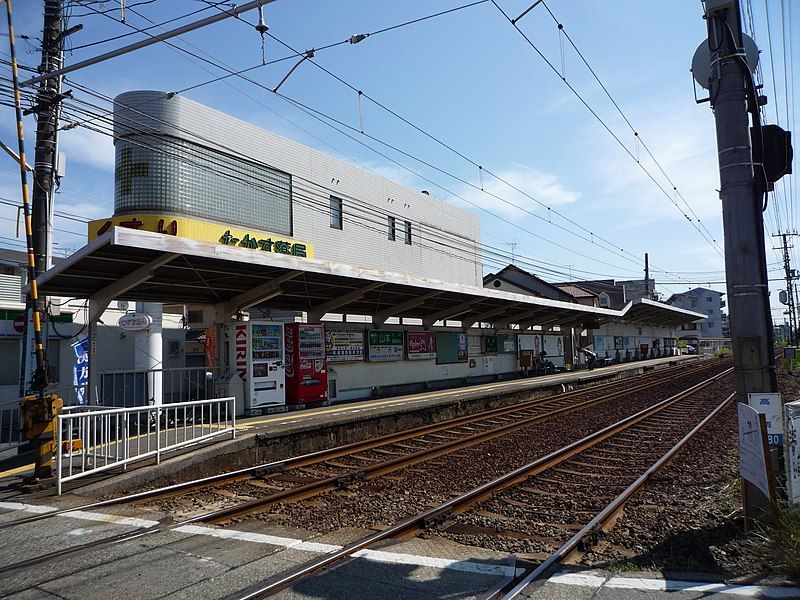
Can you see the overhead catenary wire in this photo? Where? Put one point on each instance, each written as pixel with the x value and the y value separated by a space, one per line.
pixel 592 238
pixel 605 126
pixel 335 191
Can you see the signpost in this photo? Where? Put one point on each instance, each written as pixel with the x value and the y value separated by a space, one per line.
pixel 770 406
pixel 754 464
pixel 792 451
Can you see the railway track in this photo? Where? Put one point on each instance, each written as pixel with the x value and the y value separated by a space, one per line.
pixel 338 466
pixel 600 471
pixel 501 421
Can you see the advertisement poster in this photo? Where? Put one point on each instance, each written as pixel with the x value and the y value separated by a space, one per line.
pixel 421 345
pixel 463 346
pixel 490 344
pixel 344 346
pixel 619 342
pixel 507 343
pixel 80 370
pixel 386 345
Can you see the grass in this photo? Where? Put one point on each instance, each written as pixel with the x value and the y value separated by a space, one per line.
pixel 784 541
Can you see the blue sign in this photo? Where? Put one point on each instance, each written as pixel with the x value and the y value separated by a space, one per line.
pixel 80 370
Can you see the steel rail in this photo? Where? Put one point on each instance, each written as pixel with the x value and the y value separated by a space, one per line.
pixel 407 460
pixel 613 508
pixel 312 458
pixel 165 526
pixel 476 495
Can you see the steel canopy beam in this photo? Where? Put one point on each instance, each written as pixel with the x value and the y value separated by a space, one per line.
pixel 262 293
pixel 317 312
pixel 379 318
pixel 488 314
pixel 99 301
pixel 448 313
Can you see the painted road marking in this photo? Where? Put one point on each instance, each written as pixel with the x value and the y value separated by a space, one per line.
pixel 667 585
pixel 467 566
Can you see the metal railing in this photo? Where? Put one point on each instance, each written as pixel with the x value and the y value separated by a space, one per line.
pixel 135 388
pixel 10 426
pixel 92 439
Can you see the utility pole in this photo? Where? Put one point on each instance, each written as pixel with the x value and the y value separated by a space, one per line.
pixel 646 276
pixel 790 295
pixel 741 192
pixel 48 99
pixel 743 186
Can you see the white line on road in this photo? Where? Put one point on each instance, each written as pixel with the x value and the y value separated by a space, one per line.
pixel 667 585
pixel 467 566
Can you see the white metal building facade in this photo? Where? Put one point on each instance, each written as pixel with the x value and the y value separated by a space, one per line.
pixel 169 150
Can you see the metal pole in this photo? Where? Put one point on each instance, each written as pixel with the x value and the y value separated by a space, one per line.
pixel 742 191
pixel 646 276
pixel 232 12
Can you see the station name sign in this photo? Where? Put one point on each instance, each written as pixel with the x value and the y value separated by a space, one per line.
pixel 205 231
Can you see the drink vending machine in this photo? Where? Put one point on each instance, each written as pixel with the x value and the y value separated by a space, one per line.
pixel 306 369
pixel 257 365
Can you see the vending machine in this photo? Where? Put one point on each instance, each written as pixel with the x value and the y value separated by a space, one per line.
pixel 306 369
pixel 257 365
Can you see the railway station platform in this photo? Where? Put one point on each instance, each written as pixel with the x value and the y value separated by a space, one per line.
pixel 267 438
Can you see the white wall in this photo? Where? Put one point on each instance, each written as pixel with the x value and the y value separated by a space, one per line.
pixel 356 379
pixel 317 175
pixel 636 336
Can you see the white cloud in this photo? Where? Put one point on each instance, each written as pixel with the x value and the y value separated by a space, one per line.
pixel 88 147
pixel 499 197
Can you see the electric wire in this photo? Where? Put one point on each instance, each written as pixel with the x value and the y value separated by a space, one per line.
pixel 605 126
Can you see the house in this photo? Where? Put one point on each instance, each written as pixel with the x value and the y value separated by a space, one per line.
pixel 706 301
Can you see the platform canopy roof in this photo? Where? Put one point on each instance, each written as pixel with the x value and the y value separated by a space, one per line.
pixel 139 265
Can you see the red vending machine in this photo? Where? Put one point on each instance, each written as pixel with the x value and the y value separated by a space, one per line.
pixel 306 371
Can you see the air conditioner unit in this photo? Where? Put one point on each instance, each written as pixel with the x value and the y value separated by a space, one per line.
pixel 199 317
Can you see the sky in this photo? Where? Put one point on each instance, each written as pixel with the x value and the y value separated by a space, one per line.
pixel 469 79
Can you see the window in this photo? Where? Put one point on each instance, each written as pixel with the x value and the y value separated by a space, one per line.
pixel 708 298
pixel 336 212
pixel 9 362
pixel 710 324
pixel 605 300
pixel 408 232
pixel 391 226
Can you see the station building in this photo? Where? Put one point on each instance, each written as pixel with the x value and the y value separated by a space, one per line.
pixel 299 277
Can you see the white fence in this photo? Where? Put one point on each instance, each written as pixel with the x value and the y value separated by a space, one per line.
pixel 93 438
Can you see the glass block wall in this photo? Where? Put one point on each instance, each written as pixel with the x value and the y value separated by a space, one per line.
pixel 158 173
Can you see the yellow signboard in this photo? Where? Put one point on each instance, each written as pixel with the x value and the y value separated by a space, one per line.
pixel 204 231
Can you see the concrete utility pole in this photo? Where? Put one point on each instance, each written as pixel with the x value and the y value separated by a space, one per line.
pixel 741 192
pixel 790 277
pixel 646 276
pixel 46 109
pixel 743 187
pixel 48 99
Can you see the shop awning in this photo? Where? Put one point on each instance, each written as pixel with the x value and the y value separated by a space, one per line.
pixel 139 265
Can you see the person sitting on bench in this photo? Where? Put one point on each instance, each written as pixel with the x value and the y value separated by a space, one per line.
pixel 547 365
